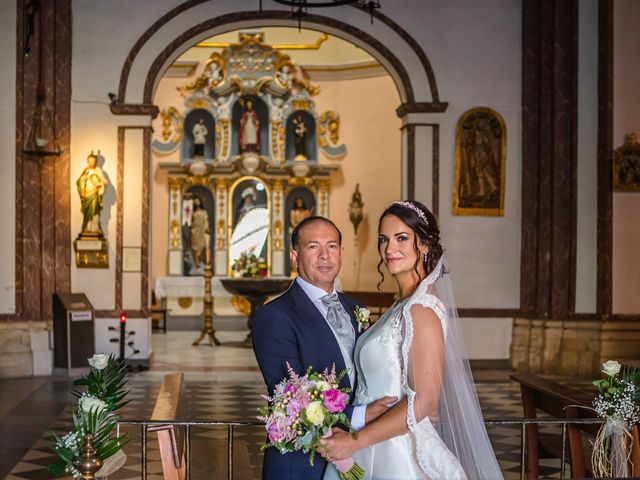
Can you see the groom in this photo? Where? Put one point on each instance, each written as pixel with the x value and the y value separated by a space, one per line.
pixel 310 325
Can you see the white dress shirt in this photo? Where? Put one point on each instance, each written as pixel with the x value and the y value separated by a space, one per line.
pixel 315 294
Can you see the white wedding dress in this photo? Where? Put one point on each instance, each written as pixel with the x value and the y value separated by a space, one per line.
pixel 380 357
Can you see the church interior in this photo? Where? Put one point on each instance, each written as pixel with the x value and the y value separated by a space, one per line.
pixel 159 154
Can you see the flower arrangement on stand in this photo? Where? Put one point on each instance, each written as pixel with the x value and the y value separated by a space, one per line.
pixel 250 266
pixel 618 403
pixel 103 394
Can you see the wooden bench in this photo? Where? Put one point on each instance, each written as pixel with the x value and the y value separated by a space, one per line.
pixel 171 439
pixel 560 401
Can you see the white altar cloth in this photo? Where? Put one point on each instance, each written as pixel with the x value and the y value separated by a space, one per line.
pixel 179 287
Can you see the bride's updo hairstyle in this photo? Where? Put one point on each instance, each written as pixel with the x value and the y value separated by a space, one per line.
pixel 425 227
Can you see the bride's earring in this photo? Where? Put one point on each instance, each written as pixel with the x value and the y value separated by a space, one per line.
pixel 426 256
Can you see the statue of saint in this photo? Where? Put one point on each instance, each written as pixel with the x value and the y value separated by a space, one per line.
pixel 199 138
pixel 249 131
pixel 214 74
pixel 298 212
pixel 284 76
pixel 248 203
pixel 300 132
pixel 199 231
pixel 91 185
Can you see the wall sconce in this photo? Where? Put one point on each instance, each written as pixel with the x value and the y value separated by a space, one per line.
pixel 356 208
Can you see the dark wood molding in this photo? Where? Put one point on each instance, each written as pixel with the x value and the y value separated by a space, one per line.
pixel 421 107
pixel 410 132
pixel 605 152
pixel 435 170
pixel 134 109
pixel 549 158
pixel 42 186
pixel 488 312
pixel 237 17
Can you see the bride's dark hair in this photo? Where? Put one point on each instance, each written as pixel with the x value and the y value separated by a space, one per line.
pixel 426 233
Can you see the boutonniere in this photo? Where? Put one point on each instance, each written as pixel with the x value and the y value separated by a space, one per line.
pixel 362 316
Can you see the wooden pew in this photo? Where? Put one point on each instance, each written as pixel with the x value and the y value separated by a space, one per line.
pixel 170 437
pixel 558 401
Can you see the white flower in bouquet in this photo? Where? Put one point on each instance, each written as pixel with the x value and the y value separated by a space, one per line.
pixel 611 367
pixel 323 386
pixel 99 361
pixel 89 403
pixel 315 412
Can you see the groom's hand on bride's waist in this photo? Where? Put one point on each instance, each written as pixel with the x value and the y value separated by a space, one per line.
pixel 378 407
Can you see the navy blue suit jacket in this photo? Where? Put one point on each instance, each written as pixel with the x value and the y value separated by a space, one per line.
pixel 292 329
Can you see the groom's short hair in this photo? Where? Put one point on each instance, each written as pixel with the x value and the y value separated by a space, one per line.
pixel 295 235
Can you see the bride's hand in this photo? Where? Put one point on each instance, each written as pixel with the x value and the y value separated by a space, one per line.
pixel 339 445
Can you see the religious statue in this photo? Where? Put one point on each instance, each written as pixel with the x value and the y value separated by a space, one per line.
pixel 481 179
pixel 199 231
pixel 300 132
pixel 284 76
pixel 298 212
pixel 249 131
pixel 91 185
pixel 213 72
pixel 248 203
pixel 199 138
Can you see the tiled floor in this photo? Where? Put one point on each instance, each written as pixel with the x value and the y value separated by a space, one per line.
pixel 222 383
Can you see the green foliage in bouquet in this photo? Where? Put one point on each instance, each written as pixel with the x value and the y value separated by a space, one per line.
pixel 94 414
pixel 250 266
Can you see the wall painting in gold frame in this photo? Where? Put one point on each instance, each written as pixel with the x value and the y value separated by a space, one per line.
pixel 480 168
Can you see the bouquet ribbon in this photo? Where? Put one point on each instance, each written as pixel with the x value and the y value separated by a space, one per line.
pixel 616 435
pixel 347 467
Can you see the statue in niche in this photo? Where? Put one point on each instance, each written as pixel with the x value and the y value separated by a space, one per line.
pixel 199 231
pixel 249 131
pixel 199 138
pixel 249 197
pixel 300 132
pixel 298 212
pixel 91 185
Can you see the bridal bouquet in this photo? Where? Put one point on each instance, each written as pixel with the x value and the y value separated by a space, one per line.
pixel 250 266
pixel 618 402
pixel 302 410
pixel 94 414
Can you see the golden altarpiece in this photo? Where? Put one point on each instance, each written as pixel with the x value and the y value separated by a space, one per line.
pixel 248 168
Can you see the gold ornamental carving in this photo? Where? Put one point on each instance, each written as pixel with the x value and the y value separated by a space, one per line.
pixel 172 125
pixel 185 302
pixel 626 165
pixel 328 128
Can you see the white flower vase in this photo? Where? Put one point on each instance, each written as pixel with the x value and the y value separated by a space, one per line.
pixel 612 450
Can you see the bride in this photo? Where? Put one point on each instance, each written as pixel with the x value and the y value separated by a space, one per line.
pixel 415 352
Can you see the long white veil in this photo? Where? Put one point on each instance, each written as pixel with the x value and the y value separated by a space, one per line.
pixel 461 425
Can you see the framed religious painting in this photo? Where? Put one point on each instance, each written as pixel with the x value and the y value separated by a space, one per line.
pixel 479 174
pixel 626 165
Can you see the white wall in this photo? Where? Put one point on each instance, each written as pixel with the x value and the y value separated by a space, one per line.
pixel 475 50
pixel 7 154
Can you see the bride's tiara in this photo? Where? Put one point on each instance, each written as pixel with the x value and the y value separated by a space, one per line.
pixel 411 206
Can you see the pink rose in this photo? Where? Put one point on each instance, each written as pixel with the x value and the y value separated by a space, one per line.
pixel 335 400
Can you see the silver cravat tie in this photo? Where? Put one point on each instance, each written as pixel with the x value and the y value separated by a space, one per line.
pixel 340 321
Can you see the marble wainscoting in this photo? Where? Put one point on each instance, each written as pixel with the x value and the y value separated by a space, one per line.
pixel 572 347
pixel 25 349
